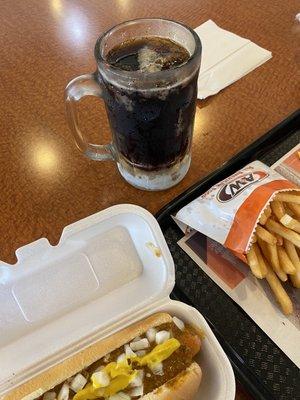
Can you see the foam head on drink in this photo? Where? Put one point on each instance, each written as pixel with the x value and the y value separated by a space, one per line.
pixel 148 54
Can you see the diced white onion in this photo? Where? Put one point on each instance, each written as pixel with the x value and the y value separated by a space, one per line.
pixel 120 396
pixel 140 344
pixel 137 391
pixel 148 375
pixel 106 358
pixel 178 323
pixel 138 379
pixel 151 334
pixel 162 336
pixel 140 353
pixel 128 351
pixel 64 392
pixel 101 377
pixel 136 339
pixel 121 358
pixel 99 368
pixel 49 396
pixel 33 395
pixel 157 369
pixel 78 383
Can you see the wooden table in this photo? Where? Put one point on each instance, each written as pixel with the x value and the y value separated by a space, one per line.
pixel 45 182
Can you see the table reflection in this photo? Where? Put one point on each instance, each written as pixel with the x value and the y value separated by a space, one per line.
pixel 73 22
pixel 57 7
pixel 124 5
pixel 198 124
pixel 45 158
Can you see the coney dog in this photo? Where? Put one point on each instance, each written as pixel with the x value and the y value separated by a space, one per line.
pixel 150 360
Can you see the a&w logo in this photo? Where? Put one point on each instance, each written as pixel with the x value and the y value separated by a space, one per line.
pixel 234 188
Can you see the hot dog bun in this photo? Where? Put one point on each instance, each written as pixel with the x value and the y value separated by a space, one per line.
pixel 46 380
pixel 183 387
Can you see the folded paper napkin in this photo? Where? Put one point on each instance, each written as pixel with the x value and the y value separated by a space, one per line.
pixel 226 57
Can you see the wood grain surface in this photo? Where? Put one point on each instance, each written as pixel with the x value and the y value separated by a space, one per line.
pixel 45 182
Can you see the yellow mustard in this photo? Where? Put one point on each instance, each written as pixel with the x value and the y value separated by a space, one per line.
pixel 160 353
pixel 122 373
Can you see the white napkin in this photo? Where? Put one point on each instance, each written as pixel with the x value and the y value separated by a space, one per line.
pixel 226 57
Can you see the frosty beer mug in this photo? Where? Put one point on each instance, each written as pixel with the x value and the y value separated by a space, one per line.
pixel 147 72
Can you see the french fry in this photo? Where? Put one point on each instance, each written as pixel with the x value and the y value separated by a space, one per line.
pixel 296 280
pixel 261 261
pixel 288 210
pixel 264 248
pixel 274 260
pixel 281 230
pixel 253 263
pixel 288 198
pixel 285 262
pixel 265 235
pixel 270 253
pixel 279 239
pixel 295 208
pixel 279 292
pixel 263 219
pixel 277 209
pixel 254 238
pixel 268 211
pixel 293 255
pixel 274 283
pixel 265 215
pixel 290 222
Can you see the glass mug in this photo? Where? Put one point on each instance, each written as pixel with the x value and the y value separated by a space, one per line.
pixel 151 114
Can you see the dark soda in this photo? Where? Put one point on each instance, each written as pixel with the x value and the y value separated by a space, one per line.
pixel 148 54
pixel 151 129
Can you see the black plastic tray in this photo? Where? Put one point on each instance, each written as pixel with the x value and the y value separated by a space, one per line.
pixel 264 370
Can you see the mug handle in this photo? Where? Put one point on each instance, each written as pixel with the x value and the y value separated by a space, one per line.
pixel 85 85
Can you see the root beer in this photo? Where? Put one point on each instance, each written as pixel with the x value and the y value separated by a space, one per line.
pixel 152 128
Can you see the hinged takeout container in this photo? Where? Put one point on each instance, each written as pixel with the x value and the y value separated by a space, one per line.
pixel 102 276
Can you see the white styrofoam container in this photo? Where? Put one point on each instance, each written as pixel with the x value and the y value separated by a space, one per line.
pixel 100 278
